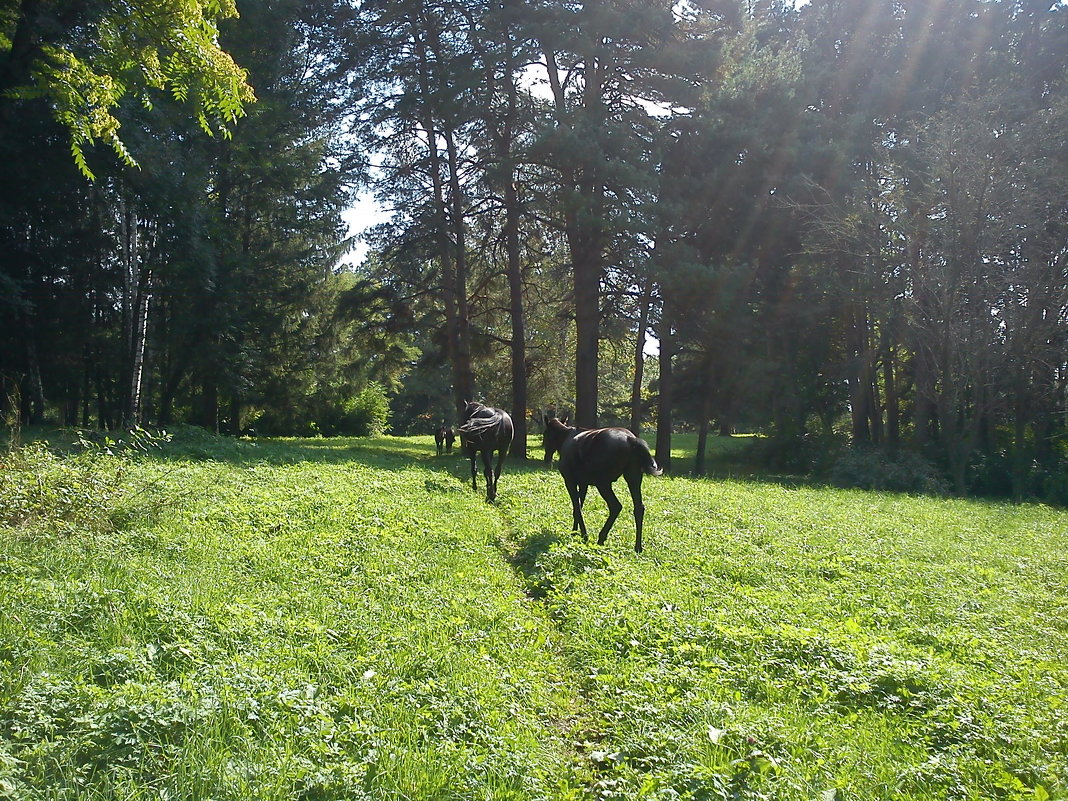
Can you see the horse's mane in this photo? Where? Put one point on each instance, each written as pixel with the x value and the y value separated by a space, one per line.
pixel 477 425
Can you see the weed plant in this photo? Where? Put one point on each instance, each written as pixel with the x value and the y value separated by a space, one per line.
pixel 346 619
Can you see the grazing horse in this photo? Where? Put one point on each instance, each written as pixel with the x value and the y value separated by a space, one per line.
pixel 598 457
pixel 484 431
pixel 444 437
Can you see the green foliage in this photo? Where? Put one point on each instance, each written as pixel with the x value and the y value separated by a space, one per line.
pixel 368 413
pixel 798 455
pixel 875 469
pixel 96 490
pixel 159 45
pixel 365 415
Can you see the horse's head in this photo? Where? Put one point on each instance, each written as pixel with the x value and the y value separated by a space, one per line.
pixel 471 408
pixel 556 433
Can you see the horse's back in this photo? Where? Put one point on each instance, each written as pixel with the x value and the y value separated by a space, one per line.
pixel 597 456
pixel 488 427
pixel 506 430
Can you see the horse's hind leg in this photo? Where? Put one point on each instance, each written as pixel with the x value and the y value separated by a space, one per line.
pixel 497 470
pixel 474 483
pixel 491 482
pixel 578 497
pixel 634 483
pixel 614 507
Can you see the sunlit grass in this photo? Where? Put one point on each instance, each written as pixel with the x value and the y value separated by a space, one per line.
pixel 308 629
pixel 799 642
pixel 345 618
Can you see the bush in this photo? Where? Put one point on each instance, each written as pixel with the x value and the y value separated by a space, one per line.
pixel 366 415
pixel 801 455
pixel 1055 487
pixel 91 491
pixel 897 471
pixel 990 476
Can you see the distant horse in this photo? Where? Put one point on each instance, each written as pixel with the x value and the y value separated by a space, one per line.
pixel 598 457
pixel 484 431
pixel 444 437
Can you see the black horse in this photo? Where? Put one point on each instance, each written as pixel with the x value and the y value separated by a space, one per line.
pixel 598 457
pixel 444 437
pixel 484 431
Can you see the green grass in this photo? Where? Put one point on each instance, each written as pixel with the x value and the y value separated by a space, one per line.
pixel 345 619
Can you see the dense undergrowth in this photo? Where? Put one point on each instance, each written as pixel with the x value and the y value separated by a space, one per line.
pixel 345 619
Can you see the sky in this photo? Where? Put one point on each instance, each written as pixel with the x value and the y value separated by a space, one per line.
pixel 361 215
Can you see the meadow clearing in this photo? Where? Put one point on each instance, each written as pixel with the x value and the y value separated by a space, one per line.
pixel 347 619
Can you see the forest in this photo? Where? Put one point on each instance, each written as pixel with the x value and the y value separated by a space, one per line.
pixel 841 224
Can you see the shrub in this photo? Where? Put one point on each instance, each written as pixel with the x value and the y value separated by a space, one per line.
pixel 893 471
pixel 366 415
pixel 44 493
pixel 801 455
pixel 1055 486
pixel 990 475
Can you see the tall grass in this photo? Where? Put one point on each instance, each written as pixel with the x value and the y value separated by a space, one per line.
pixel 329 619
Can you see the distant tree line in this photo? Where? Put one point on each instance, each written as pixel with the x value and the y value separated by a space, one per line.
pixel 846 221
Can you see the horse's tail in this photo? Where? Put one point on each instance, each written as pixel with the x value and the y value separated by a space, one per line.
pixel 645 457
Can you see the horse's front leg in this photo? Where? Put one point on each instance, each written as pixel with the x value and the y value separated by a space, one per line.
pixel 635 486
pixel 614 508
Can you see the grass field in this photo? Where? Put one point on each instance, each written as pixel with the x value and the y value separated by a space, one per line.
pixel 346 619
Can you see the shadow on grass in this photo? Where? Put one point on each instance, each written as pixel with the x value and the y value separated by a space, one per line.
pixel 190 443
pixel 524 560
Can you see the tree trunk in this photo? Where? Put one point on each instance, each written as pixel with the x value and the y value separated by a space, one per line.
pixel 893 409
pixel 665 401
pixel 519 336
pixel 512 211
pixel 859 378
pixel 461 389
pixel 137 280
pixel 465 374
pixel 35 398
pixel 140 341
pixel 209 404
pixel 706 415
pixel 1020 455
pixel 645 304
pixel 583 221
pixel 924 413
pixel 103 407
pixel 587 283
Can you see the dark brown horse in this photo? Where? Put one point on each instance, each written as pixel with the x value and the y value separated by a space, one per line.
pixel 485 430
pixel 598 457
pixel 444 437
